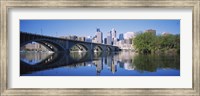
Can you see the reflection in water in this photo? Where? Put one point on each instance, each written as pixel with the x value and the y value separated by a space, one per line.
pixel 77 55
pixel 124 63
pixel 34 57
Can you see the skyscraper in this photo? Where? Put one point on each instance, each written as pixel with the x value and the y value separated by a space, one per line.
pixel 114 36
pixel 98 30
pixel 121 36
pixel 109 38
pixel 115 41
pixel 99 35
pixel 114 33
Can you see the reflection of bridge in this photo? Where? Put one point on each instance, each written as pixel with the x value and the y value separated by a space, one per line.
pixel 59 44
pixel 58 60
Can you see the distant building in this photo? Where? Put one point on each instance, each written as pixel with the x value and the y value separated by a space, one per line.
pixel 99 35
pixel 129 35
pixel 88 39
pixel 105 40
pixel 72 37
pixel 165 33
pixel 121 36
pixel 109 38
pixel 114 33
pixel 127 43
pixel 81 38
pixel 151 31
pixel 98 30
pixel 94 39
pixel 115 41
pixel 63 37
pixel 34 47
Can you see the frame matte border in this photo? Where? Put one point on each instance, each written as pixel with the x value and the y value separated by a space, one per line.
pixel 6 4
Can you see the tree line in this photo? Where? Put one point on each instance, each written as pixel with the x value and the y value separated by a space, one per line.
pixel 148 43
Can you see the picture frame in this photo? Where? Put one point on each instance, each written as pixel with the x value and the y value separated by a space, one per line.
pixel 4 49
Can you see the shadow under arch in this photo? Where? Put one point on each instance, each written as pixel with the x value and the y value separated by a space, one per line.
pixel 81 47
pixel 97 48
pixel 49 44
pixel 108 49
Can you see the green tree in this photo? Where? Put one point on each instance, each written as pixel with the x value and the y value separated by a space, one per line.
pixel 145 42
pixel 149 43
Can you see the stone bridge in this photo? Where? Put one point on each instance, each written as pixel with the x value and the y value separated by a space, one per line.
pixel 59 44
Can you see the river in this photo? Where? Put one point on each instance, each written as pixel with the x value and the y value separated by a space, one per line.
pixel 125 63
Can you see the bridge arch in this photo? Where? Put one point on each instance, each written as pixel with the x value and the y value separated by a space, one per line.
pixel 49 44
pixel 109 49
pixel 80 46
pixel 98 48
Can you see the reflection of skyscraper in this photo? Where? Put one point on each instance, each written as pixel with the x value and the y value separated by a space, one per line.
pixel 109 62
pixel 121 64
pixel 113 67
pixel 99 66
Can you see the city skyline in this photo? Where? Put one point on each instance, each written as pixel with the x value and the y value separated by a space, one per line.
pixel 87 28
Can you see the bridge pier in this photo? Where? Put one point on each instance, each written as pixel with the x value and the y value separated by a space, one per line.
pixel 104 48
pixel 67 51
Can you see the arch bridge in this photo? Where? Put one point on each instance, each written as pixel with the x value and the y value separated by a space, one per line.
pixel 59 44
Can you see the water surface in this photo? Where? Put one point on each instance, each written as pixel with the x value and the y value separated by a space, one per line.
pixel 125 63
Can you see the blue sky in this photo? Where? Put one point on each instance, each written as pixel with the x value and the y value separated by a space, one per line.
pixel 88 27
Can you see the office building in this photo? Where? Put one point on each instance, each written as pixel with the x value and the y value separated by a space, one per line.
pixel 115 41
pixel 72 37
pixel 99 35
pixel 81 38
pixel 127 42
pixel 114 33
pixel 94 39
pixel 109 38
pixel 88 39
pixel 121 36
pixel 129 35
pixel 165 33
pixel 151 31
